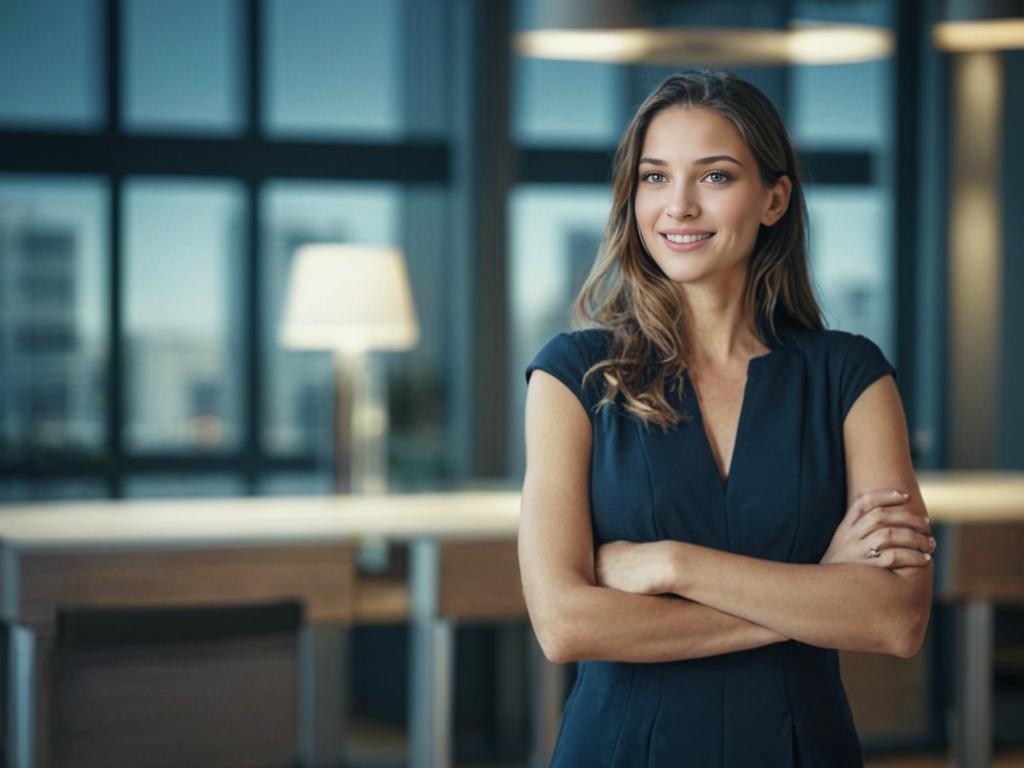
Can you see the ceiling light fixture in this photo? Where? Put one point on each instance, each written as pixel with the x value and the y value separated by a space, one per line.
pixel 802 43
pixel 980 25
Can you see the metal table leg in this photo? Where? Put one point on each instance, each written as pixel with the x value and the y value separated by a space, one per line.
pixel 431 664
pixel 21 696
pixel 972 744
pixel 323 690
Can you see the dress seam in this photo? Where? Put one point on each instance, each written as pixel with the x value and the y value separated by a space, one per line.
pixel 625 715
pixel 800 476
pixel 657 714
pixel 650 481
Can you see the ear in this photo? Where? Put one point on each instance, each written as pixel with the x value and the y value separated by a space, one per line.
pixel 777 201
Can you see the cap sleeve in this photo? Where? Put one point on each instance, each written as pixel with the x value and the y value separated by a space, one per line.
pixel 564 358
pixel 863 365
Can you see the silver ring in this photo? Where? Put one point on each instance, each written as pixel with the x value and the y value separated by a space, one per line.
pixel 873 552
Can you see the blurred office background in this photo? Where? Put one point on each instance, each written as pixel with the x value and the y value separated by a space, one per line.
pixel 160 163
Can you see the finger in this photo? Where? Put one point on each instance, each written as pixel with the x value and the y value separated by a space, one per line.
pixel 874 499
pixel 891 538
pixel 899 558
pixel 890 517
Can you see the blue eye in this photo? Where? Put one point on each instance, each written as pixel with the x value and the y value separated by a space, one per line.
pixel 648 176
pixel 725 176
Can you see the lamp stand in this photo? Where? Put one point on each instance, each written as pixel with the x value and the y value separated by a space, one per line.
pixel 361 427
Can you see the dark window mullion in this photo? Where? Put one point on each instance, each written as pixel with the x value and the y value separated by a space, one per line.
pixel 251 277
pixel 116 368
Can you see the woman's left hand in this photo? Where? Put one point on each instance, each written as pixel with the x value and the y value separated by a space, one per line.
pixel 644 569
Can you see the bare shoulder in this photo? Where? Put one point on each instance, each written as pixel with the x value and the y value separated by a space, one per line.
pixel 875 440
pixel 555 537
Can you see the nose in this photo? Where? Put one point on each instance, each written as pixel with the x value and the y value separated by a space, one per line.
pixel 683 202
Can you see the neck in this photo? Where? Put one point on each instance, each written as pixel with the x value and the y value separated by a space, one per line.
pixel 720 331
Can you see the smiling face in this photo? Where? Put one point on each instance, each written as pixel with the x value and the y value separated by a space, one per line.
pixel 697 180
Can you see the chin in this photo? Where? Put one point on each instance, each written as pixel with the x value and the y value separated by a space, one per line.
pixel 679 272
pixel 685 276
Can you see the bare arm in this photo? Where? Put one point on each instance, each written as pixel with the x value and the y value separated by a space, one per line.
pixel 841 605
pixel 572 617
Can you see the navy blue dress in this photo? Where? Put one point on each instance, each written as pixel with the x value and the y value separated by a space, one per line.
pixel 778 705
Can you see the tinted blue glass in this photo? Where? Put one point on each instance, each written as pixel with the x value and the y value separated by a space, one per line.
pixel 851 258
pixel 334 68
pixel 182 65
pixel 50 59
pixel 183 248
pixel 841 105
pixel 19 491
pixel 568 103
pixel 53 299
pixel 182 486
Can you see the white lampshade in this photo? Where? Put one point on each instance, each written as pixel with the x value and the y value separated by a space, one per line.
pixel 349 298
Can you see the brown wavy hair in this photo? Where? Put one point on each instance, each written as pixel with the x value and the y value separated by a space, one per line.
pixel 628 294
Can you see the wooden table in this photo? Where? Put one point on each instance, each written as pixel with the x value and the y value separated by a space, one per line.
pixel 979 562
pixel 202 552
pixel 463 568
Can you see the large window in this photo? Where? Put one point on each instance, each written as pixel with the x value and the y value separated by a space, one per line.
pixel 163 166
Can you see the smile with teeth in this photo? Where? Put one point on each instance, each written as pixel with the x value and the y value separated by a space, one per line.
pixel 686 238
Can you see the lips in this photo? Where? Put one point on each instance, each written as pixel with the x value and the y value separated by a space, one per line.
pixel 684 247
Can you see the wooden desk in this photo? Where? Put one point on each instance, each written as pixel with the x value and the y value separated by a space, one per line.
pixel 201 552
pixel 979 562
pixel 463 569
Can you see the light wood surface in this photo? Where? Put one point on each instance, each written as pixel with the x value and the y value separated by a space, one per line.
pixel 251 521
pixel 973 497
pixel 951 497
pixel 480 580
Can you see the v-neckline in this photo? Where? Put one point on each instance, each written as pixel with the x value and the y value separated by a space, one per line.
pixel 709 450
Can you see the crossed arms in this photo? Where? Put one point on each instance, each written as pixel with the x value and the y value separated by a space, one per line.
pixel 626 606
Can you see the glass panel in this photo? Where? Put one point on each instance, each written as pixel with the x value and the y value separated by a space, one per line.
pixel 183 249
pixel 851 232
pixel 299 413
pixel 577 104
pixel 53 299
pixel 182 486
pixel 555 233
pixel 297 483
pixel 183 65
pixel 50 57
pixel 19 491
pixel 334 67
pixel 841 104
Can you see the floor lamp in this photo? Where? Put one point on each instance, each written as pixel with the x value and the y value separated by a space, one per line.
pixel 353 300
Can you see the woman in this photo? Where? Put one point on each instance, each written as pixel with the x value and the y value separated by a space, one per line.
pixel 706 439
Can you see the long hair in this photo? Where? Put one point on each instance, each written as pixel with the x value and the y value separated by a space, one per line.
pixel 628 294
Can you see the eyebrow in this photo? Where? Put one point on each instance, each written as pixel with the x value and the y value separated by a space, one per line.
pixel 699 161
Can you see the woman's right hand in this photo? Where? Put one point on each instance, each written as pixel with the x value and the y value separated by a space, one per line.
pixel 878 522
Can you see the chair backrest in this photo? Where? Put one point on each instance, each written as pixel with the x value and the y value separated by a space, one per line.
pixel 143 687
pixel 83 627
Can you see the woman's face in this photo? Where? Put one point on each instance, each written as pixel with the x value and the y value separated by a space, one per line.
pixel 697 176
